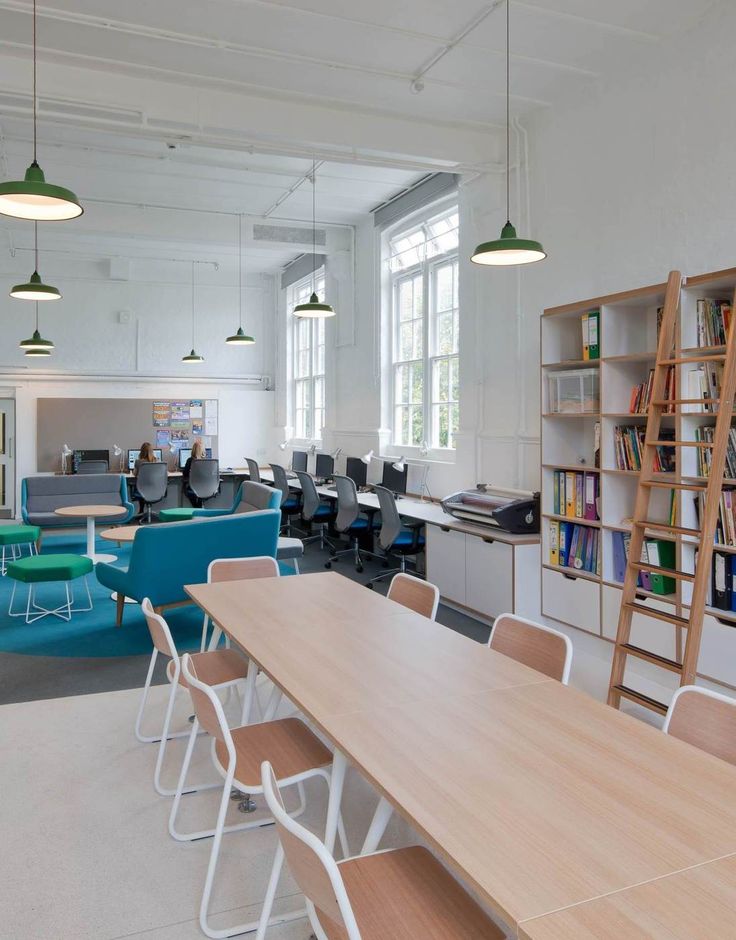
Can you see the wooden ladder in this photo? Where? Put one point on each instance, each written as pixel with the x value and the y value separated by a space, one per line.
pixel 641 524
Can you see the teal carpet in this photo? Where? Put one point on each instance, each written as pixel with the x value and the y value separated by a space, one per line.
pixel 90 634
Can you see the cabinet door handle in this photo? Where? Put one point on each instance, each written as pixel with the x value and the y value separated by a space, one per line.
pixel 444 528
pixel 488 541
pixel 569 576
pixel 641 597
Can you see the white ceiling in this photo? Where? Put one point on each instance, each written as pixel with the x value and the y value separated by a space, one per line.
pixel 359 59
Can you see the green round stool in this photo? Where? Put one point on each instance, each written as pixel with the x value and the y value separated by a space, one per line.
pixel 38 569
pixel 180 514
pixel 13 538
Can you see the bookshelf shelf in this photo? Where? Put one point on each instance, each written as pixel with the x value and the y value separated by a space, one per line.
pixel 627 337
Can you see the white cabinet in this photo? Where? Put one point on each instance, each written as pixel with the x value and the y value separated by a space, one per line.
pixel 646 632
pixel 446 562
pixel 572 600
pixel 717 658
pixel 489 576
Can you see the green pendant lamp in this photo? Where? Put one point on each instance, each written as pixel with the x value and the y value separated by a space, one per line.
pixel 36 345
pixel 35 289
pixel 313 309
pixel 239 338
pixel 192 358
pixel 508 249
pixel 32 197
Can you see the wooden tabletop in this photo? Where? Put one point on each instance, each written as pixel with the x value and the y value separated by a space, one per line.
pixel 121 533
pixel 695 904
pixel 535 794
pixel 91 511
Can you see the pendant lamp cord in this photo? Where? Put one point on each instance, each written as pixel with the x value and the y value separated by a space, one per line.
pixel 35 242
pixel 508 122
pixel 240 270
pixel 37 316
pixel 35 106
pixel 314 225
pixel 193 263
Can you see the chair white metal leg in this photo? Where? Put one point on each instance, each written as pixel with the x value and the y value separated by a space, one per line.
pixel 378 825
pixel 152 738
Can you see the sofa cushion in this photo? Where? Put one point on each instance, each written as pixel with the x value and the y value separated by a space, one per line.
pixel 39 568
pixel 19 534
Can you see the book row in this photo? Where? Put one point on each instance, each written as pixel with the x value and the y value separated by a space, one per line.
pixel 658 552
pixel 590 323
pixel 726 524
pixel 706 434
pixel 704 382
pixel 713 321
pixel 574 546
pixel 575 494
pixel 629 446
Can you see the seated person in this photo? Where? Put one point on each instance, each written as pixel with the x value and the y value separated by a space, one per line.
pixel 146 455
pixel 198 453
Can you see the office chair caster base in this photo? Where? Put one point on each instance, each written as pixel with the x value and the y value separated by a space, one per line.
pixel 370 585
pixel 247 805
pixel 328 565
pixel 359 569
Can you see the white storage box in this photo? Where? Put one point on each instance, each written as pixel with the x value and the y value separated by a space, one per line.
pixel 574 392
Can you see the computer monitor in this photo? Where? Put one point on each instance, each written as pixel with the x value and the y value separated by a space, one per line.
pixel 184 454
pixel 356 470
pixel 324 466
pixel 392 479
pixel 79 455
pixel 299 460
pixel 134 454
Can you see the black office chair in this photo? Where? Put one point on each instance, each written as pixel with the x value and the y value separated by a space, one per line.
pixel 350 522
pixel 254 471
pixel 150 486
pixel 93 466
pixel 314 510
pixel 204 480
pixel 394 537
pixel 291 504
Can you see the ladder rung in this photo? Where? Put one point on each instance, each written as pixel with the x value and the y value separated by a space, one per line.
pixel 657 614
pixel 663 485
pixel 667 572
pixel 654 658
pixel 704 444
pixel 683 360
pixel 665 527
pixel 641 699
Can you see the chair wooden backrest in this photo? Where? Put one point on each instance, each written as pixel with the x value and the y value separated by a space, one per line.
pixel 242 569
pixel 207 706
pixel 314 869
pixel 420 596
pixel 159 630
pixel 533 644
pixel 704 719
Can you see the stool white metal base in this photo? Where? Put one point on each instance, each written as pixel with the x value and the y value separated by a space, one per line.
pixel 16 552
pixel 34 611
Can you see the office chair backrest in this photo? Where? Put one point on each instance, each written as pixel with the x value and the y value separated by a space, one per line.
pixel 348 507
pixel 242 569
pixel 314 869
pixel 254 471
pixel 419 596
pixel 207 706
pixel 152 480
pixel 390 519
pixel 204 477
pixel 280 481
pixel 159 630
pixel 93 466
pixel 533 644
pixel 310 496
pixel 704 719
pixel 257 496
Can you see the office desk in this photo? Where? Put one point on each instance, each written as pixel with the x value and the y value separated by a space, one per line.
pixel 535 794
pixel 481 570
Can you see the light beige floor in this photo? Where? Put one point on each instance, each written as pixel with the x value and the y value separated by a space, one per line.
pixel 85 853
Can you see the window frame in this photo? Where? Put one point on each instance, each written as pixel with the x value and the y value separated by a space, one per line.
pixel 426 269
pixel 315 353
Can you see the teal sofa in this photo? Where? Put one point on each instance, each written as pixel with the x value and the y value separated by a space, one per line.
pixel 163 558
pixel 41 495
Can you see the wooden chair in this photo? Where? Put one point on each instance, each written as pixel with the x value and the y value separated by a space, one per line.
pixel 537 646
pixel 704 719
pixel 398 893
pixel 235 569
pixel 238 754
pixel 223 669
pixel 417 595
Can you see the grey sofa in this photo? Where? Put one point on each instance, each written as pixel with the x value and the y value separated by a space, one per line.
pixel 41 495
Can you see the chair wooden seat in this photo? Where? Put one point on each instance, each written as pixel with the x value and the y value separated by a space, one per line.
pixel 406 894
pixel 215 667
pixel 287 743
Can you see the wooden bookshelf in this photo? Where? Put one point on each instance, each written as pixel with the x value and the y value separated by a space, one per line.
pixel 628 341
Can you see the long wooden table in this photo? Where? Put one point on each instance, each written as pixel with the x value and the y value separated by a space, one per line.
pixel 538 796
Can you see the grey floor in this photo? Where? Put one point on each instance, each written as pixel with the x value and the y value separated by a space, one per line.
pixel 28 678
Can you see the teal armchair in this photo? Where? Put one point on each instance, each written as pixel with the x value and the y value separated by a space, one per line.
pixel 164 558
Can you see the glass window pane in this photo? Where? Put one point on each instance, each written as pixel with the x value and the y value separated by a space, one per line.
pixel 417 382
pixel 417 342
pixel 444 281
pixel 406 340
pixel 417 426
pixel 455 379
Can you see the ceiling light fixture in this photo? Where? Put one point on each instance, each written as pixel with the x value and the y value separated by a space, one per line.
pixel 239 338
pixel 192 358
pixel 508 249
pixel 36 345
pixel 32 197
pixel 313 308
pixel 35 289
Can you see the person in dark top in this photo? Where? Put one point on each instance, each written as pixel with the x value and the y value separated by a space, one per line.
pixel 198 453
pixel 145 455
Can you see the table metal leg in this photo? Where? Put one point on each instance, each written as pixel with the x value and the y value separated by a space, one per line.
pixel 378 825
pixel 91 544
